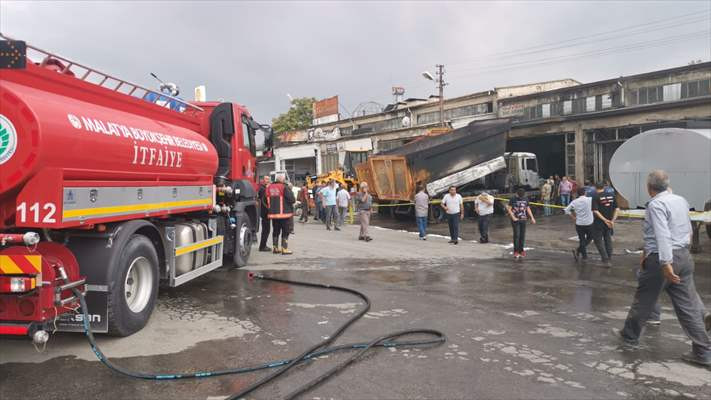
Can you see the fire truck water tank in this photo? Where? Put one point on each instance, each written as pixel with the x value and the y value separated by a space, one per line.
pixel 90 142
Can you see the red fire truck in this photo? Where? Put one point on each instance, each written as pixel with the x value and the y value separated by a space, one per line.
pixel 113 188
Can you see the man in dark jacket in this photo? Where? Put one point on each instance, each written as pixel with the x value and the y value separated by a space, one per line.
pixel 280 200
pixel 263 211
pixel 304 199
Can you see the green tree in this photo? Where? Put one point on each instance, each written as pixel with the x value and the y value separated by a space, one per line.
pixel 299 116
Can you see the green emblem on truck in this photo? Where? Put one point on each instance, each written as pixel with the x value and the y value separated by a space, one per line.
pixel 8 139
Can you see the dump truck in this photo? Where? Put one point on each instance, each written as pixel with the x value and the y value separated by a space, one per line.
pixel 114 189
pixel 472 158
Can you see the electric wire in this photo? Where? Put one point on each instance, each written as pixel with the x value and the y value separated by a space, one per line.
pixel 590 53
pixel 662 24
pixel 320 349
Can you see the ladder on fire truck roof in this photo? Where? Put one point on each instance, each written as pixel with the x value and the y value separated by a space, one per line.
pixel 107 81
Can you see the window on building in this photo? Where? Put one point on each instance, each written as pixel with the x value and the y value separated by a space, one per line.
pixel 347 131
pixel 606 101
pixel 579 105
pixel 545 110
pixel 385 145
pixel 694 89
pixel 457 112
pixel 672 92
pixel 567 107
pixel 329 162
pixel 705 87
pixel 590 104
pixel 354 158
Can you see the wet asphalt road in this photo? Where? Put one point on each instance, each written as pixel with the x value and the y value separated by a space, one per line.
pixel 534 329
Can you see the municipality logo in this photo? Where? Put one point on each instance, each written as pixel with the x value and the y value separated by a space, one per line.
pixel 8 139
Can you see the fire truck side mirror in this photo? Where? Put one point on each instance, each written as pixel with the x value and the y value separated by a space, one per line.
pixel 264 138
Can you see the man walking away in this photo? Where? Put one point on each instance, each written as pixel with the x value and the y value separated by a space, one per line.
pixel 519 211
pixel 342 199
pixel 303 198
pixel 454 208
pixel 605 209
pixel 546 191
pixel 318 213
pixel 263 213
pixel 328 199
pixel 580 210
pixel 280 200
pixel 484 205
pixel 422 205
pixel 364 204
pixel 668 266
pixel 564 190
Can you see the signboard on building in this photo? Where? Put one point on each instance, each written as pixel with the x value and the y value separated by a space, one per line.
pixel 325 111
pixel 294 136
pixel 511 110
pixel 398 91
pixel 319 134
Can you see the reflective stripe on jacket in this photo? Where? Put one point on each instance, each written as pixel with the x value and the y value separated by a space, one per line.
pixel 280 201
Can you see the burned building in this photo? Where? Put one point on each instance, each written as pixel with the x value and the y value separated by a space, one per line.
pixel 574 131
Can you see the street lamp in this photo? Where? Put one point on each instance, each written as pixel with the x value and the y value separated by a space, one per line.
pixel 440 85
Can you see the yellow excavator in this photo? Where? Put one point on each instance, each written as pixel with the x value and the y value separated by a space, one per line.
pixel 338 175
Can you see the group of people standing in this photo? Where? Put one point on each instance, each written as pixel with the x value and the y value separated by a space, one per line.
pixel 453 205
pixel 333 201
pixel 594 218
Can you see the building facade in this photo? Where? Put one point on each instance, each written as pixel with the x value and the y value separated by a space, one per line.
pixel 574 131
pixel 573 128
pixel 348 142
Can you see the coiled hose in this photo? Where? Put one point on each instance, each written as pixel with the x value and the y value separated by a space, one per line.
pixel 319 349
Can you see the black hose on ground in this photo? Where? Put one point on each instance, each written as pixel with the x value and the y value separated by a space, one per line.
pixel 320 349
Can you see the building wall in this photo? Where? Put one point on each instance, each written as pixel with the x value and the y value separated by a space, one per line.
pixel 521 90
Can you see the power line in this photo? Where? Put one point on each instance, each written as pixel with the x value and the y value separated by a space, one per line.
pixel 609 50
pixel 582 43
pixel 692 17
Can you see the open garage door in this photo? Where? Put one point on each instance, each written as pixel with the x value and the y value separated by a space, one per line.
pixel 549 149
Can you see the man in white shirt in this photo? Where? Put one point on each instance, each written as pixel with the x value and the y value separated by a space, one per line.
pixel 484 205
pixel 454 208
pixel 580 210
pixel 342 199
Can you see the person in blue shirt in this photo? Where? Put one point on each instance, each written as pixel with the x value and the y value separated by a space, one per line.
pixel 589 189
pixel 328 199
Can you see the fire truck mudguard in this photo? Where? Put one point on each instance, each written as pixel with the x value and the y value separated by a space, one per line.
pixel 107 261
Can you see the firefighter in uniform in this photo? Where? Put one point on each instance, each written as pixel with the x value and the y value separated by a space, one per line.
pixel 280 203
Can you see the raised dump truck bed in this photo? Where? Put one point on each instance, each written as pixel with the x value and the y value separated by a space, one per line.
pixel 393 176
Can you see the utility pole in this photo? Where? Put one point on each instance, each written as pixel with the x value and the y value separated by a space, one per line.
pixel 440 85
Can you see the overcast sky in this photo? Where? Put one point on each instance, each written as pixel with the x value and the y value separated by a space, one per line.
pixel 255 53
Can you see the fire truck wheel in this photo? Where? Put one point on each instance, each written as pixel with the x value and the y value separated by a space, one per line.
pixel 243 238
pixel 132 300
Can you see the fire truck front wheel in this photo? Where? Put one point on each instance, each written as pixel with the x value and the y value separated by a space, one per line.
pixel 243 239
pixel 134 296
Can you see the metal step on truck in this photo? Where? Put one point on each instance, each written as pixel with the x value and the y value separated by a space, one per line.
pixel 115 189
pixel 472 158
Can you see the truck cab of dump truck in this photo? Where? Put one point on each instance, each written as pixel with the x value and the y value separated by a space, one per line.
pixel 522 170
pixel 106 191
